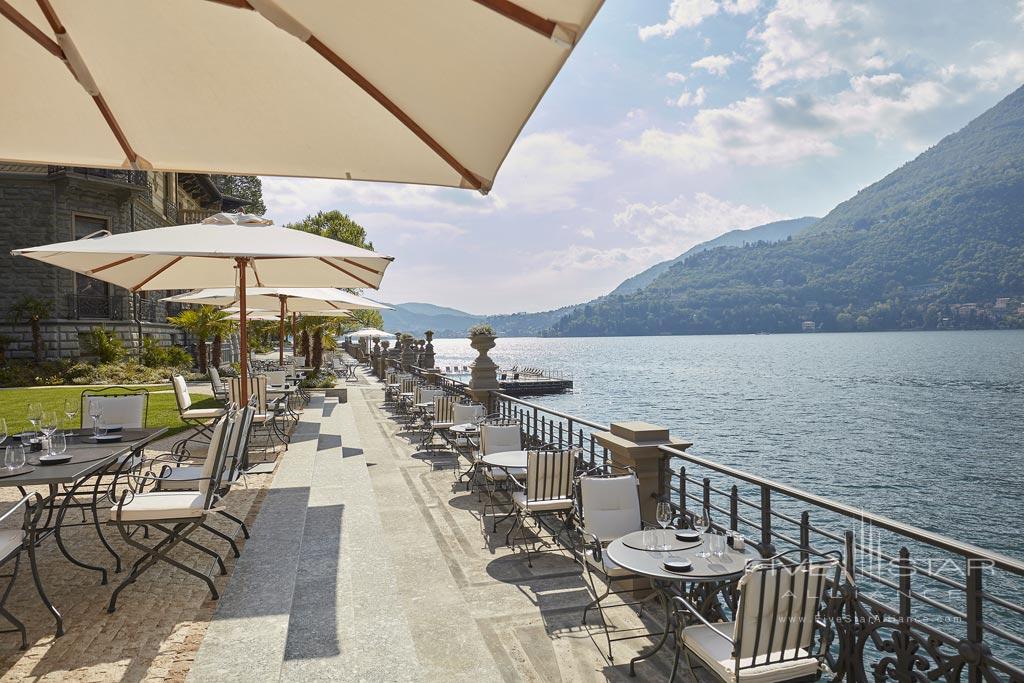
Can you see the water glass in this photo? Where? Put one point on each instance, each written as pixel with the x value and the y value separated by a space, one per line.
pixel 99 427
pixel 58 444
pixel 14 456
pixel 716 542
pixel 649 539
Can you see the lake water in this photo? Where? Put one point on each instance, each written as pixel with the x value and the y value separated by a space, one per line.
pixel 924 427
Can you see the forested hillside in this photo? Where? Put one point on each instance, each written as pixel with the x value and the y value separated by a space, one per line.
pixel 907 252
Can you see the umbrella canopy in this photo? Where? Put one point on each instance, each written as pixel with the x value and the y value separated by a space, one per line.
pixel 219 252
pixel 370 333
pixel 206 255
pixel 297 299
pixel 259 314
pixel 404 90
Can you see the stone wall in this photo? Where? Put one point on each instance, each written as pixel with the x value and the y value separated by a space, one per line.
pixel 61 337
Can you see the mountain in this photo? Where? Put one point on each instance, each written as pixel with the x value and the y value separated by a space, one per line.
pixel 419 317
pixel 769 232
pixel 930 245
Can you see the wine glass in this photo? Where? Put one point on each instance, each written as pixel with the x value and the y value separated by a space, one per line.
pixel 3 430
pixel 71 408
pixel 35 414
pixel 48 425
pixel 14 456
pixel 95 412
pixel 702 523
pixel 663 515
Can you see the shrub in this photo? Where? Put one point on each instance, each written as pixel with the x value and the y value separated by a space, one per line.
pixel 156 356
pixel 320 380
pixel 480 329
pixel 106 346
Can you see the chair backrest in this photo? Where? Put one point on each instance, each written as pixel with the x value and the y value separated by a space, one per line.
pixel 429 395
pixel 611 506
pixel 549 474
pixel 257 391
pixel 277 378
pixel 181 395
pixel 444 409
pixel 408 385
pixel 498 438
pixel 213 466
pixel 236 459
pixel 216 383
pixel 778 604
pixel 127 407
pixel 463 413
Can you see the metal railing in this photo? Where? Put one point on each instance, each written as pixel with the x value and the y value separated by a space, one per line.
pixel 137 178
pixel 190 216
pixel 933 608
pixel 111 307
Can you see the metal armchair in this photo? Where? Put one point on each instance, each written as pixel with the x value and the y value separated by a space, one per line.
pixel 548 491
pixel 12 543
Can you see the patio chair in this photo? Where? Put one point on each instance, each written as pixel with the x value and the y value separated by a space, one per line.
pixel 199 419
pixel 441 420
pixel 548 491
pixel 778 616
pixel 424 395
pixel 12 542
pixel 176 514
pixel 497 434
pixel 236 462
pixel 609 507
pixel 219 387
pixel 265 416
pixel 121 406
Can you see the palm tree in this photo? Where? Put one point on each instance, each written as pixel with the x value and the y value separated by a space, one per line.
pixel 316 328
pixel 220 329
pixel 204 323
pixel 31 310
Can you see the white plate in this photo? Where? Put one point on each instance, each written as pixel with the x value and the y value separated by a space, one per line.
pixel 677 565
pixel 687 535
pixel 107 437
pixel 54 459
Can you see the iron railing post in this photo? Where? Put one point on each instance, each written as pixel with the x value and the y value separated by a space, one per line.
pixel 734 508
pixel 975 633
pixel 767 548
pixel 805 535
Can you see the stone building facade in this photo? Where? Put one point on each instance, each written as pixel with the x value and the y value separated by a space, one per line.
pixel 44 204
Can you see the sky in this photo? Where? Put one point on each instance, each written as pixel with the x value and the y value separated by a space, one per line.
pixel 675 121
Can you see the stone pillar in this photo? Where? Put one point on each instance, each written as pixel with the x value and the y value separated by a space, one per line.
pixel 484 372
pixel 635 445
pixel 428 350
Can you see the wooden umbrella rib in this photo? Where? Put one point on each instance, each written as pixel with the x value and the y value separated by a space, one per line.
pixel 155 273
pixel 351 275
pixel 521 16
pixel 114 263
pixel 360 265
pixel 30 29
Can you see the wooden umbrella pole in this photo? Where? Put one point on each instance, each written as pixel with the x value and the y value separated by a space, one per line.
pixel 294 338
pixel 280 334
pixel 243 335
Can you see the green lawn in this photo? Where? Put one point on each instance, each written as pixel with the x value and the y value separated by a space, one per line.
pixel 163 411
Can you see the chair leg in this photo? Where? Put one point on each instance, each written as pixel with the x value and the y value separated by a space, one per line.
pixel 3 602
pixel 221 534
pixel 201 548
pixel 241 524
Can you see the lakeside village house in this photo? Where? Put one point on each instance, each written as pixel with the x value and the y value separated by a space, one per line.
pixel 43 204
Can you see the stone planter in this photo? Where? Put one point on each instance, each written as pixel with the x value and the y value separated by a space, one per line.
pixel 484 372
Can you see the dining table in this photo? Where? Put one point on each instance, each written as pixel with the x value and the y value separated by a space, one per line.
pixel 89 459
pixel 708 577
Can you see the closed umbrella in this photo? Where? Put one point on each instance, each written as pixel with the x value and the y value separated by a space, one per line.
pixel 287 299
pixel 413 91
pixel 222 251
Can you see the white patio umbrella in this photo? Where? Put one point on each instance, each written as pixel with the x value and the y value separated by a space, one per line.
pixel 370 333
pixel 257 314
pixel 287 299
pixel 221 251
pixel 413 91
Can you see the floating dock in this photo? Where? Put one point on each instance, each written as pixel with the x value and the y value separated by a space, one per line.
pixel 521 382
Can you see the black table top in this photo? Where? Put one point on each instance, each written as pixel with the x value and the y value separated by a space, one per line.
pixel 86 457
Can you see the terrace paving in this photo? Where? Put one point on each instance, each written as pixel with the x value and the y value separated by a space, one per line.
pixel 364 564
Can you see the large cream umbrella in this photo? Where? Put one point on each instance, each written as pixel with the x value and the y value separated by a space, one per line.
pixel 221 251
pixel 414 91
pixel 287 299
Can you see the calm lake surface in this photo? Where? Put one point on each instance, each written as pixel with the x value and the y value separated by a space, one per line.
pixel 924 427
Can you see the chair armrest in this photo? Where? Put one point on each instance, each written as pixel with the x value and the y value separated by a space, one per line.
pixel 685 604
pixel 20 504
pixel 516 483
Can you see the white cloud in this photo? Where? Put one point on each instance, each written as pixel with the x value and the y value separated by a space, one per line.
pixel 779 130
pixel 1020 12
pixel 998 71
pixel 402 230
pixel 586 232
pixel 687 220
pixel 691 99
pixel 546 171
pixel 690 13
pixel 811 39
pixel 715 64
pixel 675 77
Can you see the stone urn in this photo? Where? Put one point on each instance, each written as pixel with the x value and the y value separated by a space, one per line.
pixel 428 350
pixel 483 370
pixel 408 353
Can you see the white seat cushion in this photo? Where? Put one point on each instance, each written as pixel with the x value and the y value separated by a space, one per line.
pixel 181 478
pixel 202 413
pixel 160 505
pixel 499 474
pixel 10 541
pixel 442 425
pixel 609 568
pixel 553 505
pixel 716 654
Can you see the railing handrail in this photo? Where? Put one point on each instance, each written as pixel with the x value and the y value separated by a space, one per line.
pixel 939 540
pixel 549 411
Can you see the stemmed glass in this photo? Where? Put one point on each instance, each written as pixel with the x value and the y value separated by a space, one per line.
pixel 71 408
pixel 3 430
pixel 35 414
pixel 48 424
pixel 702 523
pixel 95 412
pixel 663 514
